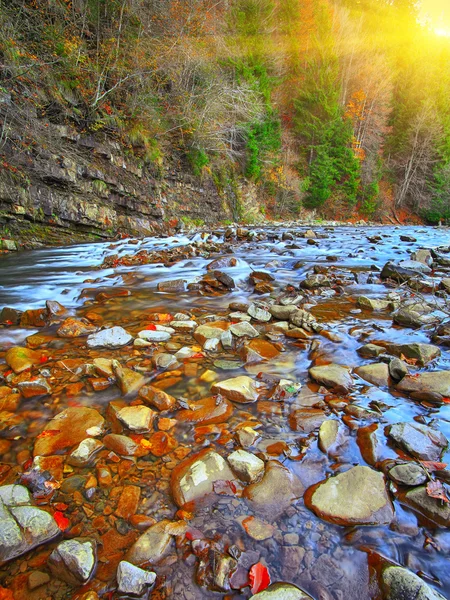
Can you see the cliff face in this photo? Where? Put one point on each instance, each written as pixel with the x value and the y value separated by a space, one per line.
pixel 87 183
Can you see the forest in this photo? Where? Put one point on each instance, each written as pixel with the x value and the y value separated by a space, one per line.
pixel 335 106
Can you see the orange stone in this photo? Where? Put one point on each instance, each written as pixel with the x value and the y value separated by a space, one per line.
pixel 206 411
pixel 128 501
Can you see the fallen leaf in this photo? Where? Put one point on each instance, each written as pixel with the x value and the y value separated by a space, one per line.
pixel 431 465
pixel 259 578
pixel 62 521
pixel 435 489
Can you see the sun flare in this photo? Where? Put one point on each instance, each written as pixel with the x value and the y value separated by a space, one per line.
pixel 435 14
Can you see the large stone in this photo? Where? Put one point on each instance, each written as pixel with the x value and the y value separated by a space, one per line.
pixel 152 546
pixel 137 418
pixel 239 389
pixel 419 440
pixel 437 382
pixel 356 497
pixel 74 560
pixel 244 329
pixel 329 436
pixel 282 591
pixel 20 359
pixel 246 465
pixel 423 353
pixel 432 508
pixel 72 328
pixel 194 477
pixel 398 583
pixel 377 374
pixel 398 273
pixel 333 376
pixel 258 350
pixel 276 491
pixel 67 429
pixel 409 473
pixel 206 411
pixel 132 580
pixel 373 303
pixel 206 332
pixel 129 381
pixel 114 337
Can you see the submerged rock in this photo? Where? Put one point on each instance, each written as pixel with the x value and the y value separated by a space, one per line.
pixel 282 591
pixel 152 546
pixel 333 376
pixel 419 440
pixel 398 583
pixel 356 497
pixel 432 508
pixel 20 359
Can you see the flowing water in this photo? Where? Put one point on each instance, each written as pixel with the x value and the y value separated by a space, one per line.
pixel 326 560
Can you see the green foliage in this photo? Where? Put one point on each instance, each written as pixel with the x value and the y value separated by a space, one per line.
pixel 439 206
pixel 189 222
pixel 263 138
pixel 370 198
pixel 198 159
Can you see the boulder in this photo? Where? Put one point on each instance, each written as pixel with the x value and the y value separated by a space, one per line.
pixel 437 382
pixel 419 440
pixel 356 497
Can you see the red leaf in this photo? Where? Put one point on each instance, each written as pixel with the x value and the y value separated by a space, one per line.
pixel 435 489
pixel 198 355
pixel 431 465
pixel 43 358
pixel 62 521
pixel 259 578
pixel 48 433
pixel 151 327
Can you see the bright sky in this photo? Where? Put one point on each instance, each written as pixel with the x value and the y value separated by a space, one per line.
pixel 437 14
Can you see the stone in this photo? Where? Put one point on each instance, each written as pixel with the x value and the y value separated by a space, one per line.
pixel 36 579
pixel 74 560
pixel 304 319
pixel 67 429
pixel 423 353
pixel 282 591
pixel 206 411
pixel 14 495
pixel 373 303
pixel 315 281
pixel 397 583
pixel 34 387
pixel 121 444
pixel 377 374
pixel 243 329
pixel 239 389
pixel 211 345
pixel 21 359
pixel 175 285
pixel 194 477
pixel 432 508
pixel 129 381
pixel 10 316
pixel 133 580
pixel 370 351
pixel 419 440
pixel 114 337
pixel 222 263
pixel 259 313
pixel 437 382
pixel 415 265
pixel 72 328
pixel 278 311
pixel 246 465
pixel 184 326
pixel 104 367
pixel 397 369
pixel 275 492
pixel 128 502
pixel 226 339
pixel 137 418
pixel 414 316
pixel 257 529
pixel 333 376
pixel 154 336
pixel 356 497
pixel 225 279
pixel 85 452
pixel 206 332
pixel 157 398
pixel 329 435
pixel 398 273
pixel 257 350
pixel 410 474
pixel 306 419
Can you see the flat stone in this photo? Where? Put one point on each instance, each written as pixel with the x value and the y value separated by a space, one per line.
pixel 377 374
pixel 72 328
pixel 157 398
pixel 398 583
pixel 206 411
pixel 239 389
pixel 304 319
pixel 114 337
pixel 243 329
pixel 74 560
pixel 133 580
pixel 34 387
pixel 36 579
pixel 329 435
pixel 258 313
pixel 282 591
pixel 410 474
pixel 129 381
pixel 121 444
pixel 212 345
pixel 246 465
pixel 154 336
pixel 333 376
pixel 432 382
pixel 315 281
pixel 137 418
pixel 206 332
pixel 279 311
pixel 184 326
pixel 257 529
pixel 258 349
pixel 370 351
pixel 164 360
pixel 419 440
pixel 432 508
pixel 20 359
pixel 356 497
pixel 423 353
pixel 276 491
pixel 306 419
pixel 175 285
pixel 373 303
pixel 67 429
pixel 194 477
pixel 85 452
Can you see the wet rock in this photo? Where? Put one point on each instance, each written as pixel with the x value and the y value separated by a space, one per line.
pixel 164 360
pixel 414 316
pixel 137 418
pixel 259 313
pixel 14 495
pixel 67 429
pixel 225 279
pixel 398 583
pixel 154 336
pixel 157 398
pixel 72 328
pixel 356 497
pixel 373 303
pixel 194 477
pixel 114 337
pixel 276 491
pixel 282 591
pixel 370 351
pixel 74 560
pixel 305 320
pixel 419 440
pixel 423 255
pixel 85 452
pixel 222 263
pixel 415 265
pixel 207 411
pixel 397 369
pixel 133 580
pixel 226 339
pixel 37 579
pixel 129 381
pixel 184 326
pixel 257 350
pixel 20 359
pixel 329 436
pixel 175 285
pixel 34 387
pixel 239 389
pixel 377 374
pixel 121 444
pixel 244 329
pixel 246 465
pixel 313 282
pixel 306 419
pixel 432 508
pixel 212 345
pixel 257 529
pixel 10 316
pixel 206 332
pixel 398 273
pixel 423 353
pixel 333 376
pixel 437 382
pixel 282 312
pixel 410 474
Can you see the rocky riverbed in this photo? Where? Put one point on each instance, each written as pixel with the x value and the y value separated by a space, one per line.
pixel 235 414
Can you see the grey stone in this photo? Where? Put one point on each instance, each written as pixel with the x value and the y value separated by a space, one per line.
pixel 397 369
pixel 333 376
pixel 373 303
pixel 282 312
pixel 433 508
pixel 377 374
pixel 410 474
pixel 133 580
pixel 258 313
pixel 398 583
pixel 244 329
pixel 74 560
pixel 419 440
pixel 246 465
pixel 114 337
pixel 282 591
pixel 154 336
pixel 437 382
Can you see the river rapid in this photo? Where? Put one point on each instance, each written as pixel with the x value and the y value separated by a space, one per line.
pixel 261 409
